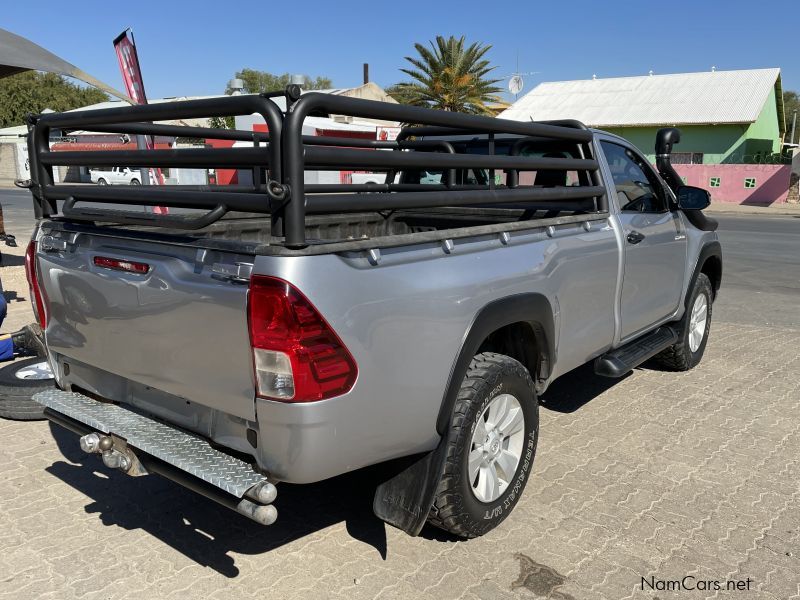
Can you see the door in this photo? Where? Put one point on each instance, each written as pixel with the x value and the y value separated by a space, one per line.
pixel 655 242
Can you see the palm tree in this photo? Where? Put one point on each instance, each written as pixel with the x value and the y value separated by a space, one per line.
pixel 449 76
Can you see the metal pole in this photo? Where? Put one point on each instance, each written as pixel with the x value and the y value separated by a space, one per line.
pixel 794 123
pixel 144 172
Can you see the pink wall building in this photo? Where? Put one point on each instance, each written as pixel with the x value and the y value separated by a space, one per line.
pixel 740 184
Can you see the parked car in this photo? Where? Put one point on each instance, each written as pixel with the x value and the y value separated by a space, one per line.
pixel 115 176
pixel 315 331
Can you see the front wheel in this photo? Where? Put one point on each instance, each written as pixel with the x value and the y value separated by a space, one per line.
pixel 693 329
pixel 102 181
pixel 493 435
pixel 134 182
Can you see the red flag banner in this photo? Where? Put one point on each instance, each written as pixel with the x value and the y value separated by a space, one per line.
pixel 129 66
pixel 125 48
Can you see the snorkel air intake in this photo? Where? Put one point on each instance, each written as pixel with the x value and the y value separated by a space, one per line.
pixel 665 138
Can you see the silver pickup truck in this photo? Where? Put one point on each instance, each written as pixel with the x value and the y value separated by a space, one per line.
pixel 278 331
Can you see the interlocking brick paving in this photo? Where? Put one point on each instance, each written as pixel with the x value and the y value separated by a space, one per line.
pixel 659 475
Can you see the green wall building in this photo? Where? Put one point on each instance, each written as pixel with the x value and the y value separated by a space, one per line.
pixel 725 117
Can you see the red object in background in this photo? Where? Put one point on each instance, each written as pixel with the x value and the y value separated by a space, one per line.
pixel 129 65
pixel 128 58
pixel 230 176
pixel 223 176
pixel 345 176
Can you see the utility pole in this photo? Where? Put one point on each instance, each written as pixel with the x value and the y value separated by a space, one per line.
pixel 794 123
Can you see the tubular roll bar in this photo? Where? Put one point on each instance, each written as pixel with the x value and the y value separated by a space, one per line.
pixel 295 155
pixel 287 154
pixel 42 159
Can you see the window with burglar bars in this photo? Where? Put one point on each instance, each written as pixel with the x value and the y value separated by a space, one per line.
pixel 715 182
pixel 687 158
pixel 749 182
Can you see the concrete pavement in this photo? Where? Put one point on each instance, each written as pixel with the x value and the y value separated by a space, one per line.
pixel 660 476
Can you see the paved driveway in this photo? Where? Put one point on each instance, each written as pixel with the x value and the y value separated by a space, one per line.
pixel 670 478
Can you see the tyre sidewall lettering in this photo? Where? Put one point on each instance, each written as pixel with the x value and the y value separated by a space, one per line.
pixel 499 509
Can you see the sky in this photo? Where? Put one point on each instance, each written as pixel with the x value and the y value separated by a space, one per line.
pixel 194 48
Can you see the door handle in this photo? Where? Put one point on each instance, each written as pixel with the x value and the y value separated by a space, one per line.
pixel 634 237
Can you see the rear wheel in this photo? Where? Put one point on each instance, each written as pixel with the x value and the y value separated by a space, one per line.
pixel 102 181
pixel 18 382
pixel 693 329
pixel 492 443
pixel 134 182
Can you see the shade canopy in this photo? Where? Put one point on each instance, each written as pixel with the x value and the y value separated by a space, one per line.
pixel 18 54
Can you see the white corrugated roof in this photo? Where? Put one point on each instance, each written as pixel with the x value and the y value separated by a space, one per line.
pixel 681 98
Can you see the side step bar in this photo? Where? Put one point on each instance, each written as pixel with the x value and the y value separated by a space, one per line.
pixel 624 359
pixel 138 445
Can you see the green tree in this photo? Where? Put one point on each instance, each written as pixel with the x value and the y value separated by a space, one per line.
pixel 32 92
pixel 791 103
pixel 222 122
pixel 402 92
pixel 257 82
pixel 450 76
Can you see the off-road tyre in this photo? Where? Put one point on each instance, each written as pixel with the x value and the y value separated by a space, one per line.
pixel 456 508
pixel 15 393
pixel 679 356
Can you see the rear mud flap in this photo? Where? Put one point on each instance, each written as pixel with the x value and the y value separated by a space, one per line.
pixel 406 499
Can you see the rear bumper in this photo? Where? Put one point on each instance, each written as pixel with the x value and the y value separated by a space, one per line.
pixel 143 445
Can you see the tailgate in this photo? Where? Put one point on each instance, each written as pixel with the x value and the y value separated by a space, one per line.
pixel 179 328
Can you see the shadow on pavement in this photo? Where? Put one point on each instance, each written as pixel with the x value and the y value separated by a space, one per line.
pixel 572 390
pixel 206 532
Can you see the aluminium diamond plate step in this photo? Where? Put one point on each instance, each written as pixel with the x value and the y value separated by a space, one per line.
pixel 183 450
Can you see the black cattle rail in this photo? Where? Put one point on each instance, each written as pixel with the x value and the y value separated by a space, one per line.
pixel 280 159
pixel 134 120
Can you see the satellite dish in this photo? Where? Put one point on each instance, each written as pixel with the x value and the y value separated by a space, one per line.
pixel 515 84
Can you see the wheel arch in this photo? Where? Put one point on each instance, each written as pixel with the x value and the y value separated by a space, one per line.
pixel 709 262
pixel 521 326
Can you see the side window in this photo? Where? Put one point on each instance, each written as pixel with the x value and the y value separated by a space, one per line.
pixel 638 188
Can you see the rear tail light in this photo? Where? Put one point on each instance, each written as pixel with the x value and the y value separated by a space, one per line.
pixel 37 296
pixel 296 355
pixel 116 264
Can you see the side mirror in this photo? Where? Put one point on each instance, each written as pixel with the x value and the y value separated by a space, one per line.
pixel 693 198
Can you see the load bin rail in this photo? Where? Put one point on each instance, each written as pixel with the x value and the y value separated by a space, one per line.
pixel 279 160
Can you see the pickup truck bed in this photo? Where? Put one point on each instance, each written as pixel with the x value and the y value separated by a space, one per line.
pixel 309 331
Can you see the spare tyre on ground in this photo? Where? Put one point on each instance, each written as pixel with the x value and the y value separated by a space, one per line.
pixel 18 382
